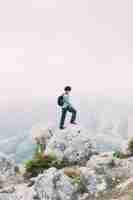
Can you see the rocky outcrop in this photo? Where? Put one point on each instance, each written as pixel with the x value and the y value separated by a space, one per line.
pixel 99 177
pixel 9 172
pixel 107 172
pixel 54 184
pixel 72 144
pixel 10 177
pixel 88 175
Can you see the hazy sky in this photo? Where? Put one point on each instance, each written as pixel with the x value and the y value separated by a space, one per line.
pixel 46 44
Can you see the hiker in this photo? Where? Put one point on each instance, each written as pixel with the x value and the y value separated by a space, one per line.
pixel 63 101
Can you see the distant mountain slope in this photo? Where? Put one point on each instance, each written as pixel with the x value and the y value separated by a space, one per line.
pixel 106 120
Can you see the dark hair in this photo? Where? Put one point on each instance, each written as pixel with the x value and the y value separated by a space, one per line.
pixel 67 88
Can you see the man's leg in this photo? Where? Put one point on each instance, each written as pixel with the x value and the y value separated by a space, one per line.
pixel 63 116
pixel 74 113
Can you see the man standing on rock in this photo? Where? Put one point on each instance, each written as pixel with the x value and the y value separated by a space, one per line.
pixel 65 104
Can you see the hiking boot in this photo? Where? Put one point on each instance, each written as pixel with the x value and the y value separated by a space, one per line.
pixel 74 123
pixel 62 127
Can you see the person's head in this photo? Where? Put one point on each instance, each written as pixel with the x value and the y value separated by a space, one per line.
pixel 67 89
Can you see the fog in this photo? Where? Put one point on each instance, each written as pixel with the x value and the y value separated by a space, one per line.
pixel 45 45
pixel 48 44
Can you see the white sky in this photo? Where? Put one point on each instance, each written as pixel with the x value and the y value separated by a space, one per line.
pixel 47 44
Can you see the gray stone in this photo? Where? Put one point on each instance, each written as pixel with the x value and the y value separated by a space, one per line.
pixel 72 144
pixel 53 184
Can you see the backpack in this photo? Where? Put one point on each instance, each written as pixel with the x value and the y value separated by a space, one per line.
pixel 60 100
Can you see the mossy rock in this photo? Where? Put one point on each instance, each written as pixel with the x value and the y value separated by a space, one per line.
pixel 40 162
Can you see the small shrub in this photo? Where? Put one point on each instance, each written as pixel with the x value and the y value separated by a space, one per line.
pixel 75 176
pixel 77 180
pixel 38 164
pixel 41 162
pixel 119 154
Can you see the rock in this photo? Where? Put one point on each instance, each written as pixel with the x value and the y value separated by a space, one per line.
pixel 85 196
pixel 72 171
pixel 41 134
pixel 9 171
pixel 100 176
pixel 10 189
pixel 104 159
pixel 125 148
pixel 54 184
pixel 23 192
pixel 19 192
pixel 5 196
pixel 72 144
pixel 88 175
pixel 22 169
pixel 125 185
pixel 97 178
pixel 89 179
pixel 7 166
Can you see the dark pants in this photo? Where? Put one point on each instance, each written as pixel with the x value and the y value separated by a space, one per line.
pixel 64 112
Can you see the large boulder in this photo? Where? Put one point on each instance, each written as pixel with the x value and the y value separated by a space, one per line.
pixel 72 144
pixel 7 166
pixel 9 171
pixel 54 184
pixel 12 183
pixel 101 160
pixel 104 172
pixel 68 185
